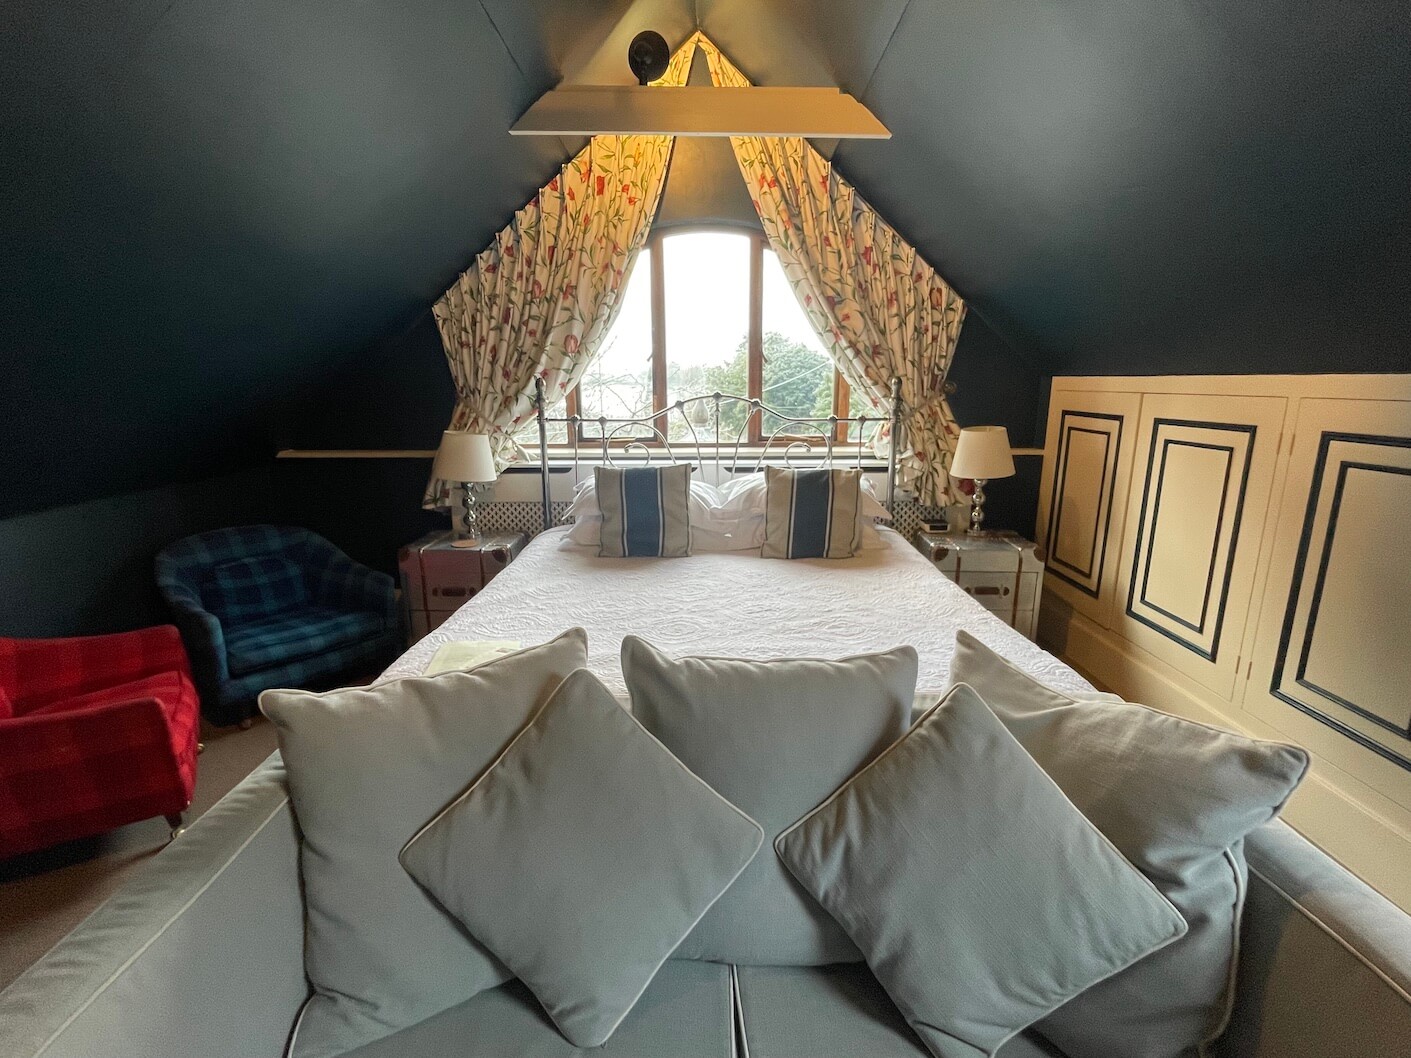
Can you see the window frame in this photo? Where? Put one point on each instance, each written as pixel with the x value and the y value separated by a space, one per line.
pixel 754 435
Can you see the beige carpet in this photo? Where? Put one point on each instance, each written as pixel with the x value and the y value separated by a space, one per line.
pixel 45 894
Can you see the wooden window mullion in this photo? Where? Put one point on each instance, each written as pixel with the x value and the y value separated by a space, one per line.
pixel 572 406
pixel 842 400
pixel 658 325
pixel 755 359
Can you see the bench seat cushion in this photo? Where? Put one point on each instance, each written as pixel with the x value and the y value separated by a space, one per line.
pixel 295 635
pixel 774 738
pixel 806 1011
pixel 167 687
pixel 684 1013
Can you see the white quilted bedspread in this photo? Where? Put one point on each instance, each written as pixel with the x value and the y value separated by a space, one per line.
pixel 736 604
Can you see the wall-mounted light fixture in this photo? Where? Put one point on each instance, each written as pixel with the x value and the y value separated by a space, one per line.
pixel 591 110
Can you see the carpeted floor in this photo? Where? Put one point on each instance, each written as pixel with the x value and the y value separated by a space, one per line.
pixel 45 894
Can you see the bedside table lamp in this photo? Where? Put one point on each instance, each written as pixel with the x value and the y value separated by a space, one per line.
pixel 982 453
pixel 466 458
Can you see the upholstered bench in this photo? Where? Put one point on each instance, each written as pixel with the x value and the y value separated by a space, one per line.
pixel 201 953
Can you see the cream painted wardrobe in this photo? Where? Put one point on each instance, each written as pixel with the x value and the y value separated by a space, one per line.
pixel 1237 550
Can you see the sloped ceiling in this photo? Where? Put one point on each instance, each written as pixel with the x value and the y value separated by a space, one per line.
pixel 1143 186
pixel 210 206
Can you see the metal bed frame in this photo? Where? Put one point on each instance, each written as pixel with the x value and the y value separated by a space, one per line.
pixel 809 441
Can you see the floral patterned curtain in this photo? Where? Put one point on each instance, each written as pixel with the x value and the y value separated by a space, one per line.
pixel 878 307
pixel 537 302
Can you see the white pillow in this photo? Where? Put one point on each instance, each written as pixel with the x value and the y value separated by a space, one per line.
pixel 711 530
pixel 588 532
pixel 705 498
pixel 743 510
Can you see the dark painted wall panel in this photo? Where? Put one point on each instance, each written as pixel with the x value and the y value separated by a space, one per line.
pixel 87 568
pixel 1013 503
pixel 995 386
pixel 398 394
pixel 368 507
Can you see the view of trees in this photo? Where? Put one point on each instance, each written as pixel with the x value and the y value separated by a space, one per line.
pixel 702 306
pixel 797 381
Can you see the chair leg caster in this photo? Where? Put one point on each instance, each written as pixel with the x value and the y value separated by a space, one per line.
pixel 246 724
pixel 177 822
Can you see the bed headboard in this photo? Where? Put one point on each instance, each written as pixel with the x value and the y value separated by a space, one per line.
pixel 730 434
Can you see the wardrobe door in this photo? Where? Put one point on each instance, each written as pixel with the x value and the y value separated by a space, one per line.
pixel 1204 468
pixel 1083 495
pixel 1332 660
pixel 1334 653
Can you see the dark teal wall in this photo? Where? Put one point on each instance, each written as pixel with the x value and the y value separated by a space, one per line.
pixel 1143 187
pixel 86 568
pixel 209 209
pixel 222 224
pixel 995 385
pixel 206 212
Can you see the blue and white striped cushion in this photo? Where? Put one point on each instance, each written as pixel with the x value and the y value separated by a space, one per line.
pixel 811 513
pixel 646 511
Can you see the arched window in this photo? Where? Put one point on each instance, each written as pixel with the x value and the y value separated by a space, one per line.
pixel 707 310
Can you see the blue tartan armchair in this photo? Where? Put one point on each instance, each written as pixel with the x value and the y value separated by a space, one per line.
pixel 263 606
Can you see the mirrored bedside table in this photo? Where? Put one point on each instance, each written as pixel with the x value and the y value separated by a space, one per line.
pixel 1004 573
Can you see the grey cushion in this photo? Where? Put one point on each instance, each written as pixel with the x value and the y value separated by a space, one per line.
pixel 583 856
pixel 368 766
pixel 774 738
pixel 1177 798
pixel 812 1011
pixel 684 1013
pixel 981 898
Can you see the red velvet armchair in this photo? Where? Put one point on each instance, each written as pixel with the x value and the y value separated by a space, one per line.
pixel 95 733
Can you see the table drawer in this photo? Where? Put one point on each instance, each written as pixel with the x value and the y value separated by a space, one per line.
pixel 993 591
pixel 451 595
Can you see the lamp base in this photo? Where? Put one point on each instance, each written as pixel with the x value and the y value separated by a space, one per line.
pixel 470 519
pixel 977 510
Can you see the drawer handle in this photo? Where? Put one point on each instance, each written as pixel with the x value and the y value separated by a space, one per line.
pixel 453 593
pixel 988 589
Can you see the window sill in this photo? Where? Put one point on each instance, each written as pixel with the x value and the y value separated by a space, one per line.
pixel 561 463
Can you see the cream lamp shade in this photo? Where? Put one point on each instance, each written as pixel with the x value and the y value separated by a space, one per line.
pixel 982 453
pixel 464 457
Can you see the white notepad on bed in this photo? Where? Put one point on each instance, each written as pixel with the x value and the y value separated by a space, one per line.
pixel 468 654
